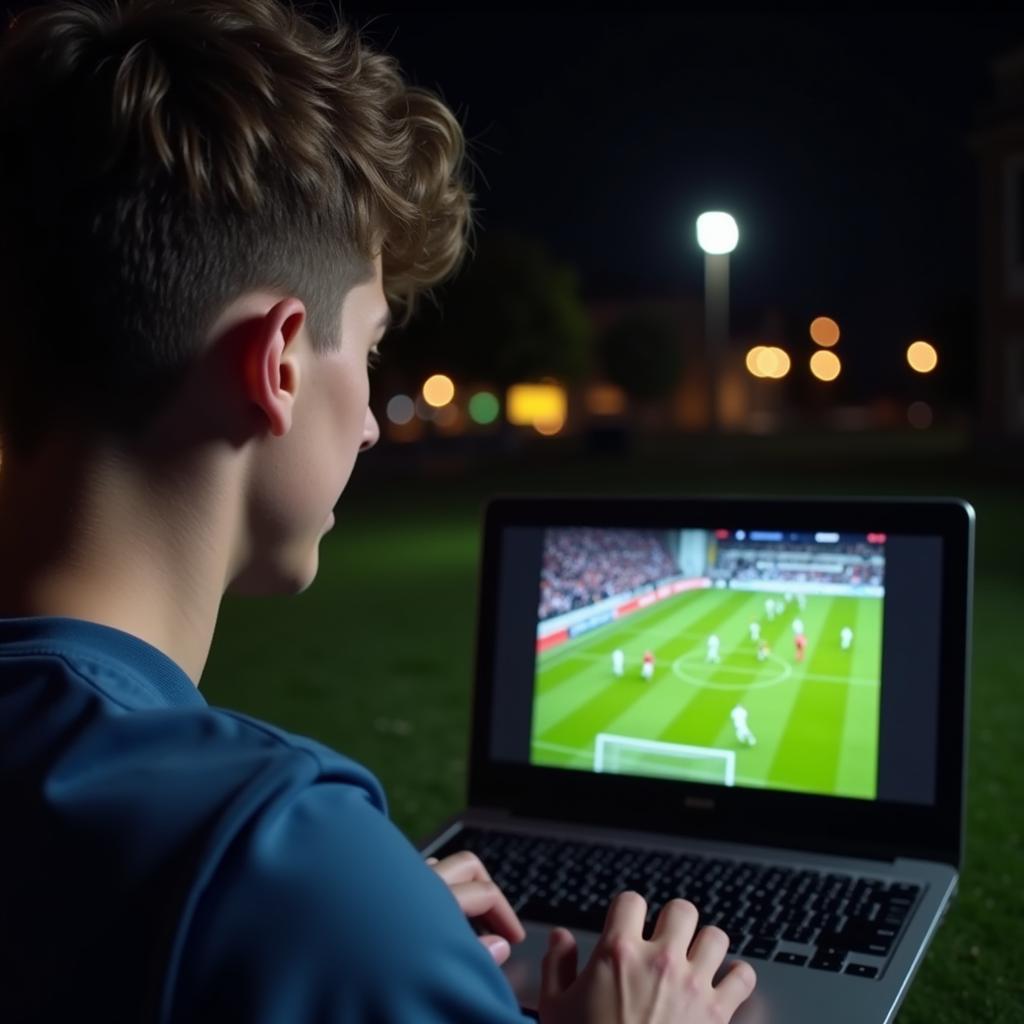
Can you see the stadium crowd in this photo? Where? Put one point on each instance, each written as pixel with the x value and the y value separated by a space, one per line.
pixel 584 565
pixel 847 564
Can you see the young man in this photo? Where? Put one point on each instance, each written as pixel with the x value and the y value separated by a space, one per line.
pixel 209 206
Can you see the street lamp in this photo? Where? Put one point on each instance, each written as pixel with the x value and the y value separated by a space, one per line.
pixel 717 235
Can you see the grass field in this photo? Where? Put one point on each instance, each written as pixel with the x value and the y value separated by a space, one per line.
pixel 815 721
pixel 376 661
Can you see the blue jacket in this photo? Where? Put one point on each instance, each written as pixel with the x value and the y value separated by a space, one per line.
pixel 165 861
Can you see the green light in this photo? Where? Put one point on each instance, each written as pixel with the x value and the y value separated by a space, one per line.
pixel 483 407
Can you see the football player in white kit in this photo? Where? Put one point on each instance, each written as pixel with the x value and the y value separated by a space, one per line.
pixel 769 608
pixel 845 638
pixel 739 723
pixel 618 662
pixel 713 645
pixel 755 631
pixel 798 626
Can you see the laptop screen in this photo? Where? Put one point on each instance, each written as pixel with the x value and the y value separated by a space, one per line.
pixel 797 660
pixel 735 657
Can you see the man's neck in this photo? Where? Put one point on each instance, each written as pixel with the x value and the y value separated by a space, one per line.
pixel 93 537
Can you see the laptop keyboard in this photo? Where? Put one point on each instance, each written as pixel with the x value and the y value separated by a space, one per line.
pixel 797 916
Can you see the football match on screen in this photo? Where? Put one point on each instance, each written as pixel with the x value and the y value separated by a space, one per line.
pixel 728 657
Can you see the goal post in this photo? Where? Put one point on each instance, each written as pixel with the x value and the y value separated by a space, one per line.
pixel 629 755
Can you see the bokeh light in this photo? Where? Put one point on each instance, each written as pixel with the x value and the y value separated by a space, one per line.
pixel 825 365
pixel 922 357
pixel 919 415
pixel 438 390
pixel 450 419
pixel 527 405
pixel 549 427
pixel 824 331
pixel 768 361
pixel 401 409
pixel 424 410
pixel 484 408
pixel 605 400
pixel 717 232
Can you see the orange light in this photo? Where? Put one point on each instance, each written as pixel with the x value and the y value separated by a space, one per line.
pixel 752 357
pixel 768 361
pixel 825 365
pixel 824 331
pixel 606 400
pixel 782 363
pixel 922 357
pixel 438 390
pixel 549 427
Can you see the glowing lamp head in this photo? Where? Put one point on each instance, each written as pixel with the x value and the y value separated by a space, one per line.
pixel 717 233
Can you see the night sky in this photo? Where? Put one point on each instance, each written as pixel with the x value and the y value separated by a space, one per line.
pixel 839 143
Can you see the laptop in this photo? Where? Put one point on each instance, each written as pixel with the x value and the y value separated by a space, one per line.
pixel 756 704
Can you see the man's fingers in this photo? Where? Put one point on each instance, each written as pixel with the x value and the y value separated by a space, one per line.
pixel 497 946
pixel 625 919
pixel 558 968
pixel 461 867
pixel 709 949
pixel 487 901
pixel 736 985
pixel 676 923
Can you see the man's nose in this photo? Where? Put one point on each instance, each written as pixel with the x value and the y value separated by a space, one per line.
pixel 371 432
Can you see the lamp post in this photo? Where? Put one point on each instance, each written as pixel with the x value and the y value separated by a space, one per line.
pixel 717 235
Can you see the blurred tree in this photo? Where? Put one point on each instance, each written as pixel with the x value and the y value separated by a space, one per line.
pixel 513 313
pixel 642 354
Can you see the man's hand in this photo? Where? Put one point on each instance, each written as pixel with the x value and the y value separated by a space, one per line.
pixel 666 980
pixel 479 897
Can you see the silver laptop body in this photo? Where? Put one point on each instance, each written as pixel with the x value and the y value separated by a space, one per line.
pixel 844 765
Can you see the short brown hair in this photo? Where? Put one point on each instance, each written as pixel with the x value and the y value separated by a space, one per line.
pixel 160 157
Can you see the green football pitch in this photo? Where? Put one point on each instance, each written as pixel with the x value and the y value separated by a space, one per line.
pixel 815 722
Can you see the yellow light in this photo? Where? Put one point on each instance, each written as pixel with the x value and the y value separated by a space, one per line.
pixel 783 363
pixel 922 357
pixel 752 357
pixel 825 365
pixel 824 331
pixel 527 405
pixel 438 390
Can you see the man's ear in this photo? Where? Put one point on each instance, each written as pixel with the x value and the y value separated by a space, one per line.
pixel 271 362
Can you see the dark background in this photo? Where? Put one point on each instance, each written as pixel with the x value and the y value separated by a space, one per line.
pixel 840 142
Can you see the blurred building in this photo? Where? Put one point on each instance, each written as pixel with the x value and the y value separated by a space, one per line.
pixel 998 143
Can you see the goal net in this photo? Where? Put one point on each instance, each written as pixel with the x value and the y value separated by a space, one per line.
pixel 626 755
